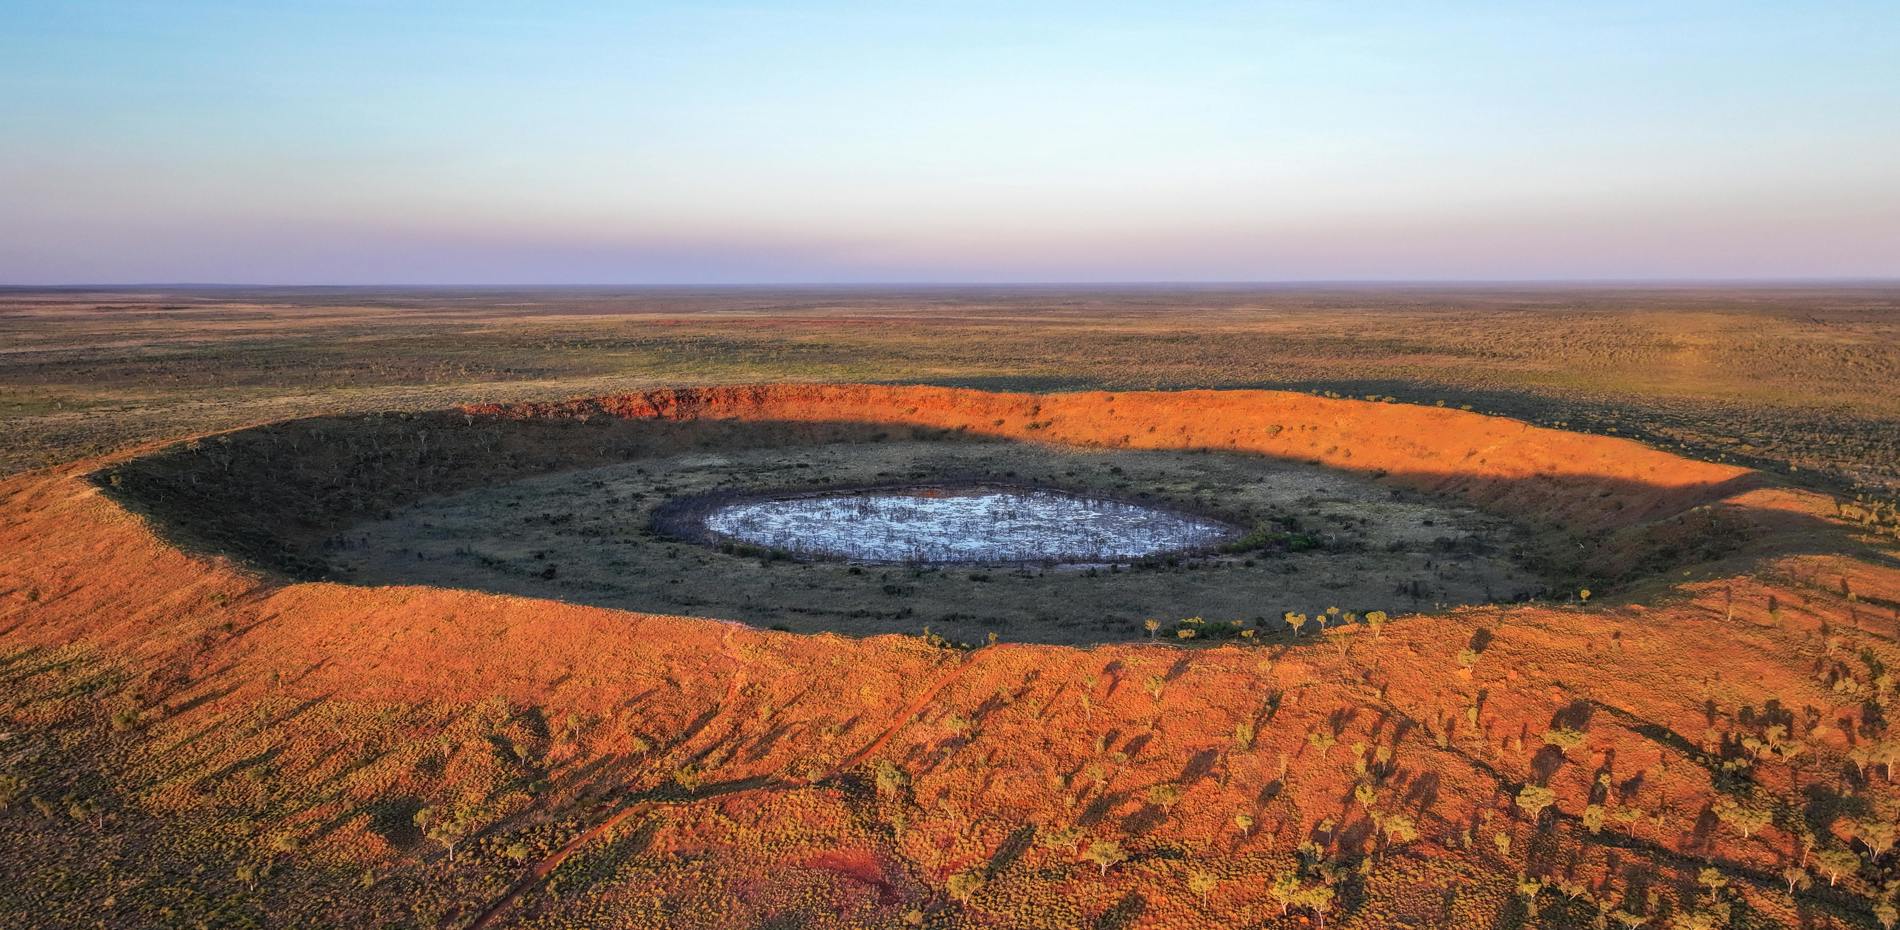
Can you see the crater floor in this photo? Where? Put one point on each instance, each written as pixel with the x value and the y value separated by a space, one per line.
pixel 1318 538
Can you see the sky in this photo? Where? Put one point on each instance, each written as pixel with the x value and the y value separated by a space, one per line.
pixel 710 142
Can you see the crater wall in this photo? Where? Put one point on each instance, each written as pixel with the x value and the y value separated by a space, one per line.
pixel 261 492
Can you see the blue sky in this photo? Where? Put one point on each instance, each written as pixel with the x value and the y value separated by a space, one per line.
pixel 550 143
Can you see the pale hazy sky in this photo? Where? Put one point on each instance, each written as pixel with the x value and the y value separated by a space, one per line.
pixel 597 142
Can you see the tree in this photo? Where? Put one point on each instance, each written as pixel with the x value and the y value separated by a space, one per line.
pixel 1065 838
pixel 1105 853
pixel 964 884
pixel 1151 626
pixel 1285 889
pixel 1319 900
pixel 1295 621
pixel 1201 883
pixel 1291 892
pixel 1322 741
pixel 1876 835
pixel 1165 795
pixel 1628 919
pixel 1564 738
pixel 1593 818
pixel 1862 756
pixel 1745 817
pixel 1398 829
pixel 1796 877
pixel 1243 737
pixel 1835 863
pixel 1806 837
pixel 1886 750
pixel 1376 620
pixel 1529 888
pixel 1534 798
pixel 445 827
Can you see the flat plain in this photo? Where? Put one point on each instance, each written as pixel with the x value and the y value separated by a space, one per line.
pixel 1800 377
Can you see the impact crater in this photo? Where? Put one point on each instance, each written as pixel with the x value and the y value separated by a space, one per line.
pixel 863 510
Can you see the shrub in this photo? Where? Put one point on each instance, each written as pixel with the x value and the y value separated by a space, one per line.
pixel 890 778
pixel 1243 735
pixel 12 789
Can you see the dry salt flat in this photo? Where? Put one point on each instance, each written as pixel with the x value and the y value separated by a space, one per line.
pixel 966 525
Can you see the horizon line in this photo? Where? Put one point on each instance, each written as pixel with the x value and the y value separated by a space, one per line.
pixel 1370 283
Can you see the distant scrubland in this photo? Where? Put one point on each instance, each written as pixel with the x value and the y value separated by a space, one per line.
pixel 1803 380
